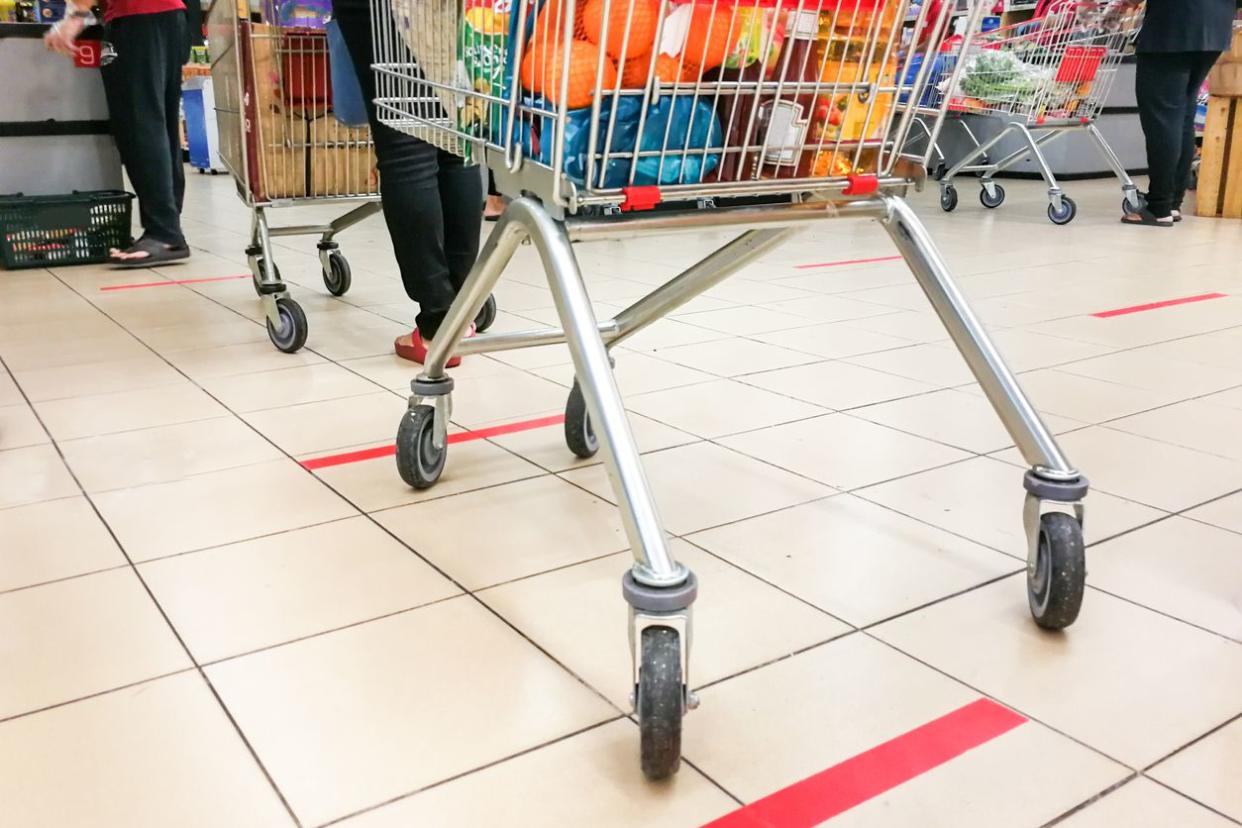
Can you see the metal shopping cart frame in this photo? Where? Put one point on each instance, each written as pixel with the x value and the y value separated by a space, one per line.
pixel 253 158
pixel 554 210
pixel 1079 42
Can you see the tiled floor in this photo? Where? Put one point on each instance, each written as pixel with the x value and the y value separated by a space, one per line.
pixel 198 630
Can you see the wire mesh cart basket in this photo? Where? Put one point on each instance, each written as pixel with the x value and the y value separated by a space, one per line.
pixel 1046 78
pixel 614 119
pixel 284 148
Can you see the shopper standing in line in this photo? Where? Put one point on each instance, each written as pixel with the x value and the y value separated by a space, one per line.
pixel 431 198
pixel 145 45
pixel 1177 46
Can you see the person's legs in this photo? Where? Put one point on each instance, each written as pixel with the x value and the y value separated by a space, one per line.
pixel 1160 87
pixel 176 48
pixel 424 192
pixel 135 84
pixel 1200 63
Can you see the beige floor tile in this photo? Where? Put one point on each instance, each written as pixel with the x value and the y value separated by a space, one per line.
pixel 1142 803
pixel 508 395
pixel 856 560
pixel 344 721
pixel 749 320
pixel 1195 424
pixel 734 357
pixel 289 386
pixel 81 636
pixel 1208 770
pixel 833 308
pixel 51 540
pixel 964 420
pixel 193 336
pixel 164 454
pixel 498 534
pixel 1231 398
pixel 982 500
pixel 394 373
pixel 833 341
pixel 1225 513
pixel 590 779
pixel 838 385
pixel 915 326
pixel 218 508
pixel 201 364
pixel 843 451
pixel 99 414
pixel 713 409
pixel 19 427
pixel 703 485
pixel 668 333
pixel 1085 399
pixel 1141 370
pixel 1118 680
pixel 237 598
pixel 80 380
pixel 1025 777
pixel 1147 471
pixel 546 446
pixel 323 427
pixel 9 395
pixel 159 754
pixel 352 341
pixel 578 616
pixel 636 373
pixel 1180 567
pixel 33 474
pixel 939 365
pixel 33 354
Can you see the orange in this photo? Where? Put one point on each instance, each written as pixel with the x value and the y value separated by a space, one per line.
pixel 708 40
pixel 550 22
pixel 643 17
pixel 666 70
pixel 544 63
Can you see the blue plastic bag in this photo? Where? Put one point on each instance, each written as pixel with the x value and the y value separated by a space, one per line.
pixel 347 102
pixel 679 124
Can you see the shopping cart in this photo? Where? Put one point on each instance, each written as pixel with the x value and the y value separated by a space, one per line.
pixel 798 118
pixel 931 108
pixel 1046 78
pixel 284 148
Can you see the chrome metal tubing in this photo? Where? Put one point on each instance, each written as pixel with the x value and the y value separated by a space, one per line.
pixel 300 230
pixel 980 151
pixel 1023 423
pixel 510 341
pixel 1032 148
pixel 1119 170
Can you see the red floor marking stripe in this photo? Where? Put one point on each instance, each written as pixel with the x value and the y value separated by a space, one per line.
pixel 849 262
pixel 459 437
pixel 869 774
pixel 1168 303
pixel 175 282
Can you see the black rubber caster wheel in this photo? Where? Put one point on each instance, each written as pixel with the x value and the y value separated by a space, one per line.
pixel 337 277
pixel 579 435
pixel 994 199
pixel 660 702
pixel 1132 203
pixel 948 198
pixel 487 315
pixel 419 462
pixel 257 270
pixel 1066 214
pixel 1056 586
pixel 939 171
pixel 290 336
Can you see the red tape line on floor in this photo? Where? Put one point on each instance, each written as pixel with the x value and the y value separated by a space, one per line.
pixel 166 283
pixel 1168 303
pixel 459 437
pixel 850 262
pixel 869 774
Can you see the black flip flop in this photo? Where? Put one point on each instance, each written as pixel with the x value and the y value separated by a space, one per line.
pixel 158 253
pixel 1146 218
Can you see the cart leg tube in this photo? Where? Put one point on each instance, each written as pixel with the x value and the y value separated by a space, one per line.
pixel 360 213
pixel 1028 431
pixel 981 151
pixel 1127 184
pixel 269 280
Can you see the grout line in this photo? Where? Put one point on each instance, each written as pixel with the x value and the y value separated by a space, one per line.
pixel 1187 796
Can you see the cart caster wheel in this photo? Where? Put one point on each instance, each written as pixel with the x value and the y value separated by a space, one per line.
pixel 258 269
pixel 1056 586
pixel 419 462
pixel 948 198
pixel 1066 214
pixel 337 277
pixel 1132 204
pixel 660 702
pixel 939 171
pixel 579 435
pixel 487 315
pixel 291 335
pixel 994 200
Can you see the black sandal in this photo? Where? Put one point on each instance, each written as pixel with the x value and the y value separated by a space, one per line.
pixel 157 253
pixel 1147 218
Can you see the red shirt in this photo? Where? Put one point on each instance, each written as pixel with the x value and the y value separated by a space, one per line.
pixel 126 8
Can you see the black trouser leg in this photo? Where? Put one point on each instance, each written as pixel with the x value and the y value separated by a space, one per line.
pixel 431 198
pixel 143 88
pixel 1200 64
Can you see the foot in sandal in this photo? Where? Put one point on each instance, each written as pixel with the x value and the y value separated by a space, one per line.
pixel 413 347
pixel 1147 218
pixel 147 252
pixel 494 208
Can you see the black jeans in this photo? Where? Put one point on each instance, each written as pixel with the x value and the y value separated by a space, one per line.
pixel 432 199
pixel 1167 85
pixel 143 87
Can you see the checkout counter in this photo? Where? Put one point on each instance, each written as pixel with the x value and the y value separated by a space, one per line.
pixel 54 134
